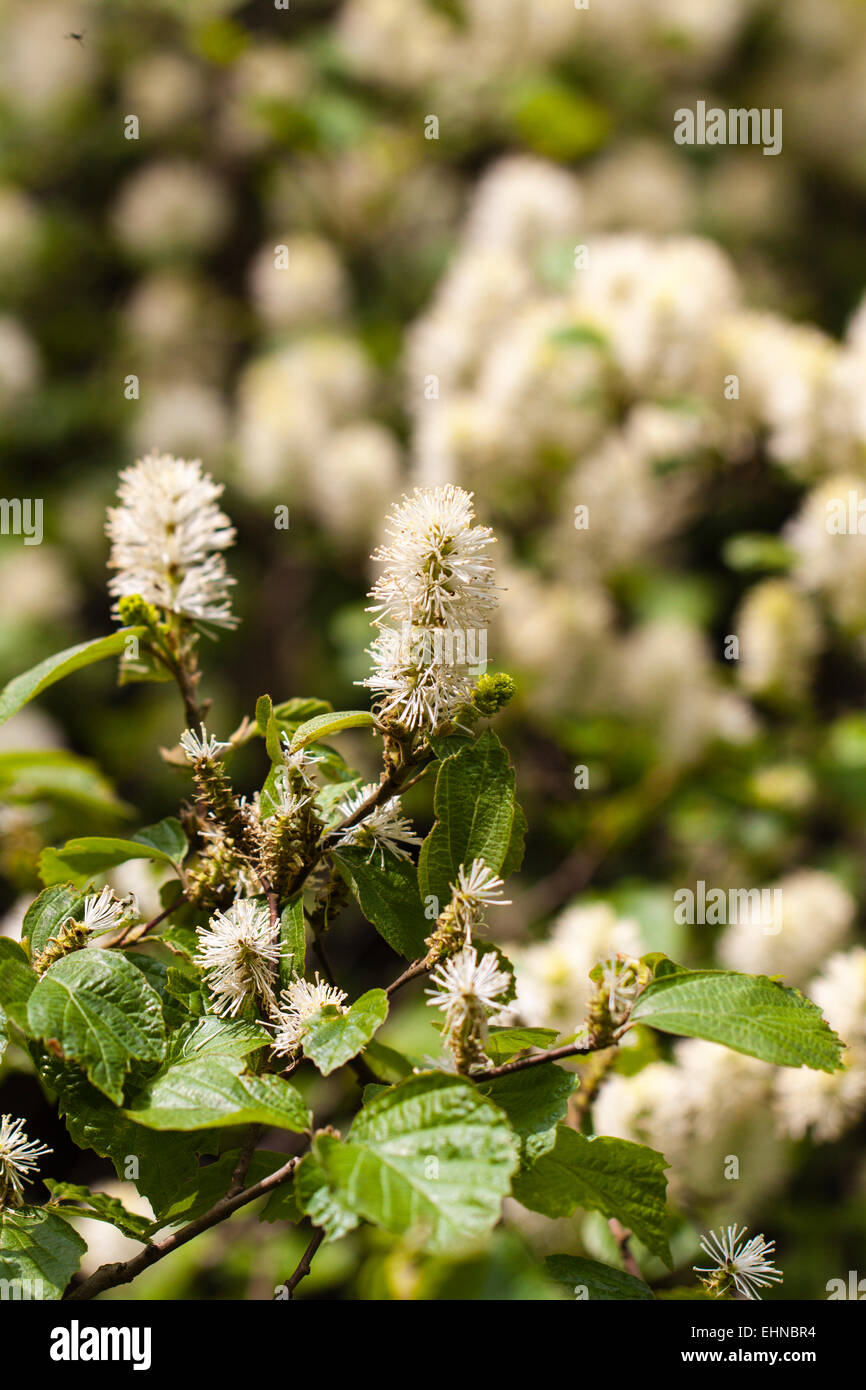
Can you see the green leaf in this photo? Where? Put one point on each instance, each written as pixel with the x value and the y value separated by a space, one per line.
pixel 502 1270
pixel 213 1179
pixel 388 897
pixel 516 843
pixel 17 981
pixel 316 1198
pixel 430 1156
pixel 95 1008
pixel 53 774
pixel 100 1207
pixel 749 1013
pixel 269 728
pixel 210 1092
pixel 504 1043
pixel 80 859
pixel 174 1012
pixel 162 1166
pixel 39 1252
pixel 332 1038
pixel 385 1062
pixel 535 1100
pixel 31 683
pixel 293 940
pixel 613 1176
pixel 323 725
pixel 475 814
pixel 166 837
pixel 600 1281
pixel 49 912
pixel 225 1037
pixel 184 982
pixel 301 709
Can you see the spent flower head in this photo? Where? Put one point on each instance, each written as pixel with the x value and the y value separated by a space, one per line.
pixel 238 952
pixel 745 1264
pixel 167 537
pixel 19 1160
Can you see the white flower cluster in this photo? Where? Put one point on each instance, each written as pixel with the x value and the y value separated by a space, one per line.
pixel 432 603
pixel 747 1264
pixel 618 365
pixel 167 538
pixel 817 914
pixel 19 1160
pixel 296 1007
pixel 468 990
pixel 239 952
pixel 383 828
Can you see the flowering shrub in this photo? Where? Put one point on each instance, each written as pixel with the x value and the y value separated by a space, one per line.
pixel 175 1044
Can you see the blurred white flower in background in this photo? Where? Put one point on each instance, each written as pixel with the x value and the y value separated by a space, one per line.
pixel 817 917
pixel 552 976
pixel 831 563
pixel 20 367
pixel 290 402
pixel 828 1103
pixel 358 474
pixel 41 75
pixel 164 90
pixel 21 234
pixel 183 417
pixel 298 280
pixel 171 207
pixel 687 716
pixel 780 637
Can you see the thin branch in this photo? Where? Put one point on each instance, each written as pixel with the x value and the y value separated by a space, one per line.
pixel 244 1160
pixel 111 1275
pixel 556 1054
pixel 622 1237
pixel 126 938
pixel 418 967
pixel 303 1267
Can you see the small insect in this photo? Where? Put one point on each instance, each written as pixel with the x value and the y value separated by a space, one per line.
pixel 79 38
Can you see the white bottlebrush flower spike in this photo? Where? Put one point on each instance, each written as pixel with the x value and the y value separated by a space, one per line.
pixel 298 1003
pixel 301 761
pixel 19 1160
pixel 437 569
pixel 464 982
pixel 167 537
pixel 475 890
pixel 239 952
pixel 385 828
pixel 103 911
pixel 431 604
pixel 747 1263
pixel 201 746
pixel 468 990
pixel 415 694
pixel 283 801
